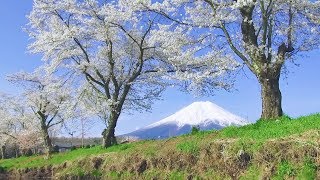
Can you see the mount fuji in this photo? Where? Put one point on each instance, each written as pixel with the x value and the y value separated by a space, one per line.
pixel 205 115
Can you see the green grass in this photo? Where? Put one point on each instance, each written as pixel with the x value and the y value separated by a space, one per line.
pixel 308 171
pixel 253 172
pixel 177 176
pixel 263 130
pixel 188 147
pixel 59 158
pixel 285 170
pixel 191 143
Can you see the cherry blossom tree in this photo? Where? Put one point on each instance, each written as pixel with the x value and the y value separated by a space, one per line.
pixel 6 132
pixel 262 34
pixel 17 129
pixel 48 101
pixel 82 121
pixel 118 55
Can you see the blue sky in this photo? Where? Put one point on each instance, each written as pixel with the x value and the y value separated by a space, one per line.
pixel 300 90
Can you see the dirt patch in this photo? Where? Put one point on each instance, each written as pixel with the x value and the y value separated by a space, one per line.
pixel 34 173
pixel 97 162
pixel 141 167
pixel 3 175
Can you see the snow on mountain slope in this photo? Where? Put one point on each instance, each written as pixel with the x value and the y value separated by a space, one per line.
pixel 205 115
pixel 201 113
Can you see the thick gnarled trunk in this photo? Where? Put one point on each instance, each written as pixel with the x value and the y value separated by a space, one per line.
pixel 261 63
pixel 108 134
pixel 271 98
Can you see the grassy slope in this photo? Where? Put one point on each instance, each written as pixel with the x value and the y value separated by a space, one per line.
pixel 255 139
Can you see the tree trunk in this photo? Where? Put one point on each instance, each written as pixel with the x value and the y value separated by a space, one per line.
pixel 16 150
pixel 268 73
pixel 47 141
pixel 109 138
pixel 271 98
pixel 3 152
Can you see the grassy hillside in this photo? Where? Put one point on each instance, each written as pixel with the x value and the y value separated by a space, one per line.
pixel 277 149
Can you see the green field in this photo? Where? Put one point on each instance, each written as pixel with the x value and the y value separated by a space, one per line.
pixel 279 149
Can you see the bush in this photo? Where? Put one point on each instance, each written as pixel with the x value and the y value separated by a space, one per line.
pixel 195 130
pixel 2 170
pixel 56 149
pixel 28 153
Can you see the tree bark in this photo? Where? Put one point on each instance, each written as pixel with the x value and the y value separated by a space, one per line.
pixel 3 152
pixel 47 141
pixel 16 150
pixel 271 98
pixel 108 134
pixel 45 134
pixel 268 74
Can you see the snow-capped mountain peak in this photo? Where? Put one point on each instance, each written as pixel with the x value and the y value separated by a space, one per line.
pixel 206 115
pixel 201 113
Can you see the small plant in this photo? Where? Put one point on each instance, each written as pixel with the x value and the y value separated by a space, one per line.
pixel 195 130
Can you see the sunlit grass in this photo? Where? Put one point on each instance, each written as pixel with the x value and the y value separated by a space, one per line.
pixel 258 132
pixel 59 158
pixel 263 130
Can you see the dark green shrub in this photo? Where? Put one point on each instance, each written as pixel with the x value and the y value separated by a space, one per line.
pixel 195 130
pixel 55 148
pixel 2 170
